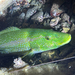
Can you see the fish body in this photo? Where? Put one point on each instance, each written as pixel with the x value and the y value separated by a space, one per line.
pixel 14 40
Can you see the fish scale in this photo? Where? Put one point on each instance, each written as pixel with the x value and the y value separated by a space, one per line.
pixel 14 40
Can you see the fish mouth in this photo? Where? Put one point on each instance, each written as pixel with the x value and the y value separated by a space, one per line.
pixel 68 39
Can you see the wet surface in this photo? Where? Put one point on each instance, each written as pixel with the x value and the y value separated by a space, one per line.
pixel 36 20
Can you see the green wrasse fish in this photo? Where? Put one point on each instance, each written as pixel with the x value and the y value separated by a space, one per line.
pixel 14 40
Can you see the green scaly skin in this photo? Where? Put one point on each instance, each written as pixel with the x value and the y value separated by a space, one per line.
pixel 14 40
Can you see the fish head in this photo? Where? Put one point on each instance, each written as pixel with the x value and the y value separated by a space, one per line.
pixel 57 39
pixel 49 41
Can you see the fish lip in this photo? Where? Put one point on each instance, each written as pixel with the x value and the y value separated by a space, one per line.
pixel 68 40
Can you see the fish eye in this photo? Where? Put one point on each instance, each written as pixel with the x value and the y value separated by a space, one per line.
pixel 47 38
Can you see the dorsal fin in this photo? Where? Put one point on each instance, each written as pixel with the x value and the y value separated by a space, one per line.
pixel 9 29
